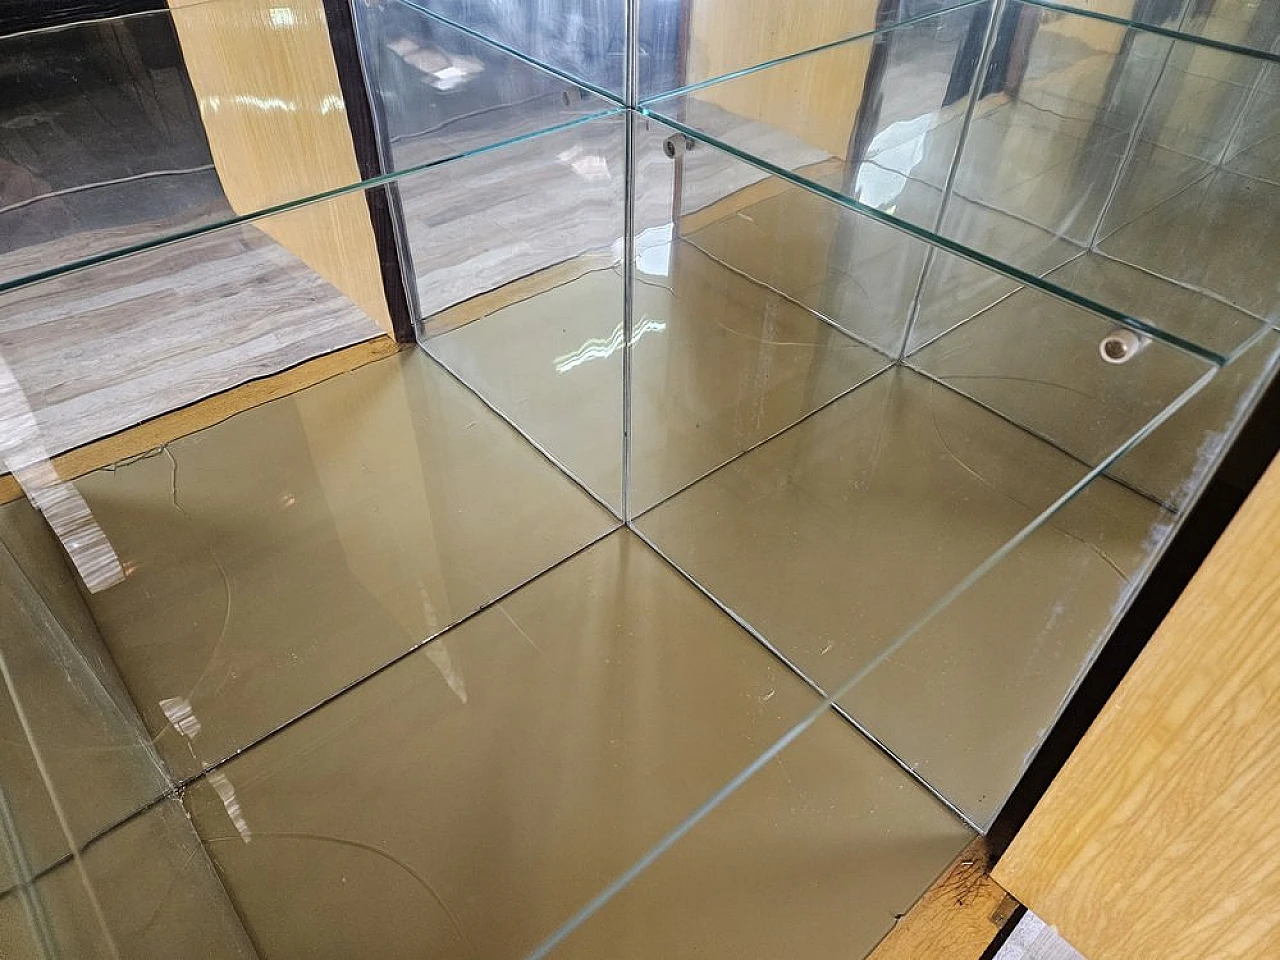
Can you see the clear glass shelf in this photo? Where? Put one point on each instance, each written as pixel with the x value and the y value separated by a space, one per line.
pixel 1115 167
pixel 1241 26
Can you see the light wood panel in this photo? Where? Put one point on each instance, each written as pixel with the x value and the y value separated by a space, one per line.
pixel 726 35
pixel 264 75
pixel 957 918
pixel 1161 836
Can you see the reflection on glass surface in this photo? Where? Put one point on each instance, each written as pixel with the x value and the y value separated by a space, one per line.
pixel 146 889
pixel 101 142
pixel 808 462
pixel 1246 24
pixel 716 38
pixel 442 93
pixel 601 703
pixel 75 763
pixel 271 566
pixel 586 39
pixel 521 286
pixel 277 291
pixel 1085 137
pixel 904 358
pixel 135 129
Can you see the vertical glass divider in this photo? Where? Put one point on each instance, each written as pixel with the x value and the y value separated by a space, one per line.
pixel 1135 134
pixel 975 94
pixel 628 298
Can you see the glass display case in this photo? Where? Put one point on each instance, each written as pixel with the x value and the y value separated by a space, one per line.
pixel 792 400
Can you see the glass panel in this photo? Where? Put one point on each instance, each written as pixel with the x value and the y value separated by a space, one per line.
pixel 1246 24
pixel 1086 144
pixel 130 131
pixel 76 709
pixel 200 625
pixel 877 119
pixel 277 291
pixel 903 334
pixel 102 143
pixel 243 625
pixel 521 286
pixel 1253 152
pixel 1182 210
pixel 601 703
pixel 585 39
pixel 849 506
pixel 97 864
pixel 739 314
pixel 682 44
pixel 443 93
pixel 1092 535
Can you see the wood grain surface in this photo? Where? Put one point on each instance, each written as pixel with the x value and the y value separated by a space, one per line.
pixel 1161 835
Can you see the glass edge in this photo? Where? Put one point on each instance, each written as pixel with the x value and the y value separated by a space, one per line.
pixel 847 40
pixel 948 245
pixel 1180 513
pixel 545 67
pixel 1223 45
pixel 1254 53
pixel 359 186
pixel 701 812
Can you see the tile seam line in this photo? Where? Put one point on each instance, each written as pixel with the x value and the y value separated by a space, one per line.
pixel 520 431
pixel 818 315
pixel 888 365
pixel 1042 438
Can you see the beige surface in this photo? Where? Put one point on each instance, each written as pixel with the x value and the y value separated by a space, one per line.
pixel 292 549
pixel 1181 767
pixel 834 537
pixel 277 126
pixel 158 892
pixel 468 800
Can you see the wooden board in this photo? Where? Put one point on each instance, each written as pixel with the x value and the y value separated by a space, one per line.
pixel 1161 835
pixel 956 919
pixel 273 111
